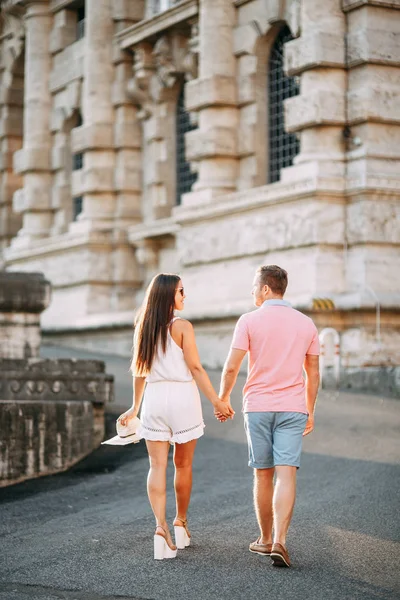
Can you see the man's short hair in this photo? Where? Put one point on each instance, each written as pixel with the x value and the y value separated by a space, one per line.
pixel 274 277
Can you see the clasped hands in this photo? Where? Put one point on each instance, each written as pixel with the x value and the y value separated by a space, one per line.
pixel 223 410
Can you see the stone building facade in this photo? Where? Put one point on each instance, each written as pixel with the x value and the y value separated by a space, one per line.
pixel 205 137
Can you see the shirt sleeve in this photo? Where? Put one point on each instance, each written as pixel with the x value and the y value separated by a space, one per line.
pixel 314 346
pixel 241 340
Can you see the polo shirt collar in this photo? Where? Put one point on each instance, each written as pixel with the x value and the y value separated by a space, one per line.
pixel 276 302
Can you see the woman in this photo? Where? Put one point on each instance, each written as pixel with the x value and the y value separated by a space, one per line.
pixel 166 358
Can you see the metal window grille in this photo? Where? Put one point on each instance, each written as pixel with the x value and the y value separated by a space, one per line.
pixel 77 161
pixel 158 6
pixel 80 26
pixel 185 178
pixel 80 29
pixel 77 207
pixel 283 146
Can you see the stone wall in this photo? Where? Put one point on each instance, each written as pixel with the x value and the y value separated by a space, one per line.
pixel 42 438
pixel 51 415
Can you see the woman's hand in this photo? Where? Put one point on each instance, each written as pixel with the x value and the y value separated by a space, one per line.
pixel 223 410
pixel 127 416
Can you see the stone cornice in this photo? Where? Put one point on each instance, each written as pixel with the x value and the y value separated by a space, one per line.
pixel 153 230
pixel 62 243
pixel 103 321
pixel 11 3
pixel 348 5
pixel 388 187
pixel 146 29
pixel 276 193
pixel 41 379
pixel 354 307
pixel 56 5
pixel 281 193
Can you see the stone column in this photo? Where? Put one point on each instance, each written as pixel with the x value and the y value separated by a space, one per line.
pixel 213 95
pixel 318 113
pixel 23 296
pixel 11 118
pixel 373 155
pixel 128 165
pixel 33 161
pixel 96 133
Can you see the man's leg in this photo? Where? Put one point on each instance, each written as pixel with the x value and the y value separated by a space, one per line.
pixel 283 501
pixel 258 427
pixel 263 494
pixel 288 436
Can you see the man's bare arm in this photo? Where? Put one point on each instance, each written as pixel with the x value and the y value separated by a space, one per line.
pixel 230 372
pixel 311 367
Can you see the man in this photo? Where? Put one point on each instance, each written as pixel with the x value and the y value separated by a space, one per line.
pixel 278 404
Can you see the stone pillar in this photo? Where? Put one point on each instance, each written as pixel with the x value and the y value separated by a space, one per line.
pixel 96 133
pixel 214 144
pixel 128 145
pixel 128 165
pixel 33 161
pixel 11 119
pixel 373 154
pixel 23 296
pixel 318 113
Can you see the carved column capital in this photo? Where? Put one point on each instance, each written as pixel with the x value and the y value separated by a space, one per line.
pixel 157 69
pixel 147 254
pixel 174 58
pixel 138 87
pixel 13 39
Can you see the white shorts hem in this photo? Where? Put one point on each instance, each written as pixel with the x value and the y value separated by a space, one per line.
pixel 154 436
pixel 183 438
pixel 177 438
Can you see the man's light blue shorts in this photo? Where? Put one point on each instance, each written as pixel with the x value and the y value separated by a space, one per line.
pixel 274 438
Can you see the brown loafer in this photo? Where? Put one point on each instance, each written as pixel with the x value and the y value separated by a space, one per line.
pixel 258 548
pixel 280 556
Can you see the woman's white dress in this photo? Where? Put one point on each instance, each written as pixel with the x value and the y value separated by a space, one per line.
pixel 171 409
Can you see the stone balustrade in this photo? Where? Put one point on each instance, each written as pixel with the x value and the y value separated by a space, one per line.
pixel 51 411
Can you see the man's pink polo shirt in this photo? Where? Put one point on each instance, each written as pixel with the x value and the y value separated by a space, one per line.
pixel 277 338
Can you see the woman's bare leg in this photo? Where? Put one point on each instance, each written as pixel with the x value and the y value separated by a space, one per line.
pixel 183 460
pixel 157 480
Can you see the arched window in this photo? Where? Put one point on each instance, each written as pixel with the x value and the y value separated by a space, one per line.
pixel 77 158
pixel 77 163
pixel 283 146
pixel 156 6
pixel 185 178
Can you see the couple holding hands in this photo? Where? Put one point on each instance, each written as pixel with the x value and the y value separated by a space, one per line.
pixel 278 402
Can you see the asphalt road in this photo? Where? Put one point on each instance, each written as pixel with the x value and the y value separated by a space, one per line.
pixel 87 534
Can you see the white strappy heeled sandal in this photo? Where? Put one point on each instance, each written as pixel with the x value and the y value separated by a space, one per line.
pixel 182 534
pixel 161 547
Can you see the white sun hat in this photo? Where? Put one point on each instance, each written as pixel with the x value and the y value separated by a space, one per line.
pixel 127 434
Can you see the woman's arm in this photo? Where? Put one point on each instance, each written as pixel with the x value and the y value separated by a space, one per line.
pixel 200 376
pixel 138 389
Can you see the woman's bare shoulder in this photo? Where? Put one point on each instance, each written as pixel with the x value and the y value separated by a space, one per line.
pixel 182 325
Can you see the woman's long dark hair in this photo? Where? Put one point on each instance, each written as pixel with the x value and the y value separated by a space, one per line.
pixel 152 321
